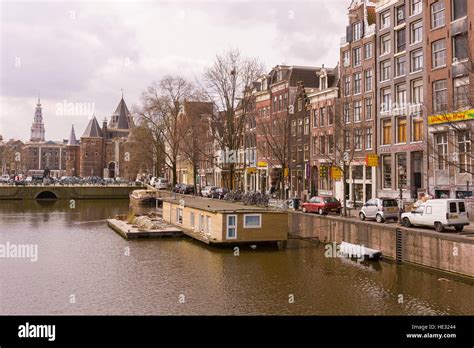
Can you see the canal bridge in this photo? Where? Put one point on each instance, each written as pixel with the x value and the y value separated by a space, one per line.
pixel 65 192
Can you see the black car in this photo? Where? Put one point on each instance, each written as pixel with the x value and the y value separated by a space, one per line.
pixel 218 192
pixel 178 188
pixel 187 189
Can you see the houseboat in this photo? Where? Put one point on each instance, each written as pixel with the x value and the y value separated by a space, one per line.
pixel 222 222
pixel 143 197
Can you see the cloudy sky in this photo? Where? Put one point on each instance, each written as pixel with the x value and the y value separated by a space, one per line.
pixel 79 55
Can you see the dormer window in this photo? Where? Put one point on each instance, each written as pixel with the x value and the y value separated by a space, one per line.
pixel 323 80
pixel 280 75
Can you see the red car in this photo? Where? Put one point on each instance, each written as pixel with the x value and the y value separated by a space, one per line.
pixel 322 205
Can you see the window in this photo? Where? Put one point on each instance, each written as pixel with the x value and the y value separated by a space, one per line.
pixel 201 223
pixel 293 128
pixel 358 139
pixel 300 104
pixel 385 44
pixel 417 127
pixel 252 220
pixel 231 226
pixel 357 83
pixel 400 66
pixel 386 132
pixel 280 103
pixel 208 225
pixel 306 152
pixel 416 6
pixel 368 48
pixel 417 60
pixel 368 108
pixel 322 116
pixel 461 48
pixel 346 59
pixel 315 145
pixel 400 40
pixel 385 70
pixel 401 95
pixel 385 20
pixel 400 14
pixel 179 216
pixel 440 97
pixel 322 144
pixel 386 103
pixel 461 93
pixel 416 32
pixel 347 85
pixel 306 125
pixel 330 115
pixel 401 129
pixel 191 219
pixel 330 143
pixel 357 31
pixel 401 169
pixel 459 9
pixel 346 113
pixel 315 117
pixel 437 14
pixel 347 140
pixel 300 126
pixel 387 171
pixel 417 91
pixel 357 111
pixel 438 53
pixel 357 56
pixel 442 150
pixel 368 138
pixel 368 80
pixel 464 148
pixel 300 153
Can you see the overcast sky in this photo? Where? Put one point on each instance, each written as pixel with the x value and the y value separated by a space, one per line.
pixel 81 54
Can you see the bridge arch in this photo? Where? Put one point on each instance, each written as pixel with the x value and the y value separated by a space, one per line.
pixel 46 195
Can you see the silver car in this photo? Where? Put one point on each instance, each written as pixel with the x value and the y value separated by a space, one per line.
pixel 380 209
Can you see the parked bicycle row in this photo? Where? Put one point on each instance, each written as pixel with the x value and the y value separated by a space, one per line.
pixel 37 180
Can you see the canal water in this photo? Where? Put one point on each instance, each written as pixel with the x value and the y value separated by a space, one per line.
pixel 83 267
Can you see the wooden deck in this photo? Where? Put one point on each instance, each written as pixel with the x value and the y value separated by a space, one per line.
pixel 127 231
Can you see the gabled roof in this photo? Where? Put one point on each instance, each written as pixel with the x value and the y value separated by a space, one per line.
pixel 92 130
pixel 72 137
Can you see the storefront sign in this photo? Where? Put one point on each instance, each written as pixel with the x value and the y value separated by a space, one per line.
pixel 401 148
pixel 262 164
pixel 323 171
pixel 453 117
pixel 251 170
pixel 285 173
pixel 336 173
pixel 372 160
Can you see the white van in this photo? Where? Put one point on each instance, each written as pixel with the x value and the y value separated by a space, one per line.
pixel 439 213
pixel 161 184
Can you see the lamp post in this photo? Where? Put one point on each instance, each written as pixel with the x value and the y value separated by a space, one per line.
pixel 401 173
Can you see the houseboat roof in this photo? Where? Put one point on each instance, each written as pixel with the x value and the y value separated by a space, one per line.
pixel 217 206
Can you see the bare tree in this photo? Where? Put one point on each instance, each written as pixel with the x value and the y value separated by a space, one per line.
pixel 225 83
pixel 144 152
pixel 161 106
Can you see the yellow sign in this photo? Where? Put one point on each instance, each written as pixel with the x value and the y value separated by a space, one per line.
pixel 454 117
pixel 336 173
pixel 323 171
pixel 286 172
pixel 251 170
pixel 262 164
pixel 372 160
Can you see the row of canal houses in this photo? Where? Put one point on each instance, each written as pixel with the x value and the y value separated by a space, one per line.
pixel 392 118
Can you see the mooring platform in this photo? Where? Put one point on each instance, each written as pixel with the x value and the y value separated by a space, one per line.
pixel 128 231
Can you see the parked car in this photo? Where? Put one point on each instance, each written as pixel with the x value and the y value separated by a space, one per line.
pixel 161 184
pixel 5 178
pixel 439 213
pixel 218 192
pixel 322 205
pixel 206 190
pixel 380 209
pixel 28 179
pixel 178 188
pixel 187 189
pixel 153 181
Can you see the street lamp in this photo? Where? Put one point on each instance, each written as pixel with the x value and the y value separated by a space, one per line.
pixel 401 173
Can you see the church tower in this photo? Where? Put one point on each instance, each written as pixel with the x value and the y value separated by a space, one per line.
pixel 37 128
pixel 73 155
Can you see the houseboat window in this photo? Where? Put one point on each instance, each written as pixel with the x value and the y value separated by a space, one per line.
pixel 208 224
pixel 201 222
pixel 231 226
pixel 179 216
pixel 191 219
pixel 252 221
